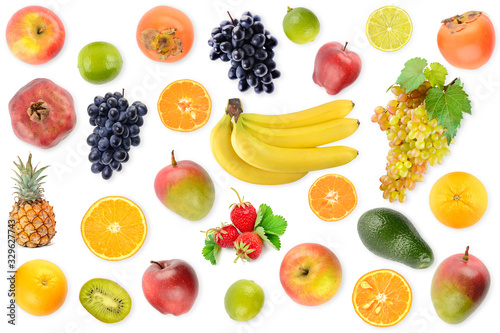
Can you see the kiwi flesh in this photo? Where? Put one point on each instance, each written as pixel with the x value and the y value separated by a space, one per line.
pixel 105 300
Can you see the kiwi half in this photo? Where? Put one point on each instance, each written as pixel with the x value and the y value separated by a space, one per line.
pixel 105 300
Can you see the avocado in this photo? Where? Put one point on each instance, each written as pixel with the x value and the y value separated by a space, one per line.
pixel 389 234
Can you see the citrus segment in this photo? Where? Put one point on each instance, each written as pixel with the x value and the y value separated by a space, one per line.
pixel 332 197
pixel 458 200
pixel 184 106
pixel 389 28
pixel 382 298
pixel 114 228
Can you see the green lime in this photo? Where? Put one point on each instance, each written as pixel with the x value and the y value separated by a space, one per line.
pixel 301 26
pixel 244 299
pixel 99 62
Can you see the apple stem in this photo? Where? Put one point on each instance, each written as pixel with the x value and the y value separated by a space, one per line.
pixel 174 162
pixel 41 29
pixel 466 255
pixel 155 262
pixel 304 271
pixel 345 46
pixel 230 17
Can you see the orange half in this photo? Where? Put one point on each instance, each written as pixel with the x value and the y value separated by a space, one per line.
pixel 332 197
pixel 382 298
pixel 184 106
pixel 114 228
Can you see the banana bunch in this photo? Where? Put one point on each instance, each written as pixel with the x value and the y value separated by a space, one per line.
pixel 280 149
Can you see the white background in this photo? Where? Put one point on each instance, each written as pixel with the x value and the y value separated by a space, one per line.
pixel 72 188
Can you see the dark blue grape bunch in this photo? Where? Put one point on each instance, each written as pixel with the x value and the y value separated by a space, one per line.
pixel 117 127
pixel 248 47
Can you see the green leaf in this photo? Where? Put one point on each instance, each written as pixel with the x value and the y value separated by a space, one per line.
pixel 436 75
pixel 210 250
pixel 412 75
pixel 274 224
pixel 264 211
pixel 448 106
pixel 270 239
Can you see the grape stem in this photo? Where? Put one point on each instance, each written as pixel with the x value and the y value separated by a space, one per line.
pixel 231 17
pixel 450 84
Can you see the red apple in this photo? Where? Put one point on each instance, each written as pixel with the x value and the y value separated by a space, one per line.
pixel 336 67
pixel 310 274
pixel 35 34
pixel 170 286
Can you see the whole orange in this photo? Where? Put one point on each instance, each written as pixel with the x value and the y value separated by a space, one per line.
pixel 41 287
pixel 458 200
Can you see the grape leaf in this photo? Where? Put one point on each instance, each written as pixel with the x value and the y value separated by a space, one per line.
pixel 274 224
pixel 210 250
pixel 436 74
pixel 447 106
pixel 264 211
pixel 270 239
pixel 412 75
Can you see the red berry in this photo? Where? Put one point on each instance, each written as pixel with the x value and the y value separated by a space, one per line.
pixel 225 235
pixel 243 215
pixel 248 246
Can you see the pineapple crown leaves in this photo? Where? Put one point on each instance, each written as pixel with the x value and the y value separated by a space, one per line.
pixel 446 103
pixel 29 180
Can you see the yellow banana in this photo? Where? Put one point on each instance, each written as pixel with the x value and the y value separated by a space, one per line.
pixel 267 157
pixel 304 137
pixel 220 142
pixel 318 114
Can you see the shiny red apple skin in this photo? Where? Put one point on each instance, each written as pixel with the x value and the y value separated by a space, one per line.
pixel 170 286
pixel 336 67
pixel 35 34
pixel 310 274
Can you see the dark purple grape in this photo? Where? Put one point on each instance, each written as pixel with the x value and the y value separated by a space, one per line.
pixel 140 121
pixel 268 88
pixel 96 130
pixel 115 141
pixel 271 43
pixel 131 112
pixel 104 132
pixel 103 144
pixel 126 158
pixel 270 54
pixel 215 31
pixel 93 139
pixel 219 38
pixel 92 121
pixel 266 79
pixel 211 42
pixel 243 85
pixel 252 80
pixel 213 55
pixel 136 141
pixel 118 128
pixel 112 102
pixel 126 132
pixel 103 109
pixel 227 30
pixel 123 117
pixel 232 73
pixel 270 64
pixel 256 18
pixel 106 157
pixel 224 23
pixel 126 143
pixel 98 100
pixel 249 34
pixel 258 40
pixel 142 109
pixel 117 95
pixel 258 88
pixel 93 110
pixel 241 73
pixel 226 47
pixel 248 49
pixel 96 167
pixel 132 121
pixel 123 104
pixel 237 43
pixel 257 27
pixel 275 74
pixel 115 164
pixel 94 156
pixel 217 49
pixel 238 54
pixel 260 54
pixel 113 114
pixel 246 21
pixel 119 168
pixel 107 172
pixel 101 121
pixel 224 57
pixel 234 63
pixel 247 63
pixel 134 131
pixel 260 70
pixel 108 95
pixel 120 155
pixel 247 13
pixel 109 124
pixel 238 33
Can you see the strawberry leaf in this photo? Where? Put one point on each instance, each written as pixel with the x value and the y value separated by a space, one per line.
pixel 412 75
pixel 274 224
pixel 264 211
pixel 270 239
pixel 447 106
pixel 210 250
pixel 436 74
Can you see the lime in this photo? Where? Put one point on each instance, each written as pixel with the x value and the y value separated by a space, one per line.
pixel 99 62
pixel 244 299
pixel 389 28
pixel 300 24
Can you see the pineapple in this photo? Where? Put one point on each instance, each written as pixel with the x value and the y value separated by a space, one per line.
pixel 33 216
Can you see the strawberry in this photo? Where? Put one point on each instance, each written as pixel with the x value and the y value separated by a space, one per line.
pixel 243 215
pixel 225 235
pixel 248 246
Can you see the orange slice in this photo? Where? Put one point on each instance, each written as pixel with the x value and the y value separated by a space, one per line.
pixel 184 106
pixel 382 298
pixel 114 228
pixel 332 197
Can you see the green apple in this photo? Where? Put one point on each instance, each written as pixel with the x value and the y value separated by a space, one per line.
pixel 311 274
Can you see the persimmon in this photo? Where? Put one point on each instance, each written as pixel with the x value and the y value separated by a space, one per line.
pixel 165 34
